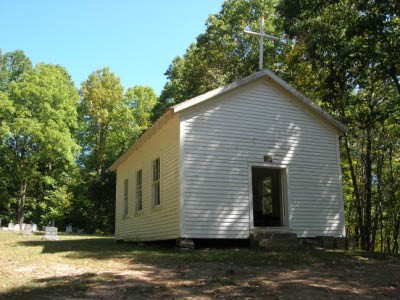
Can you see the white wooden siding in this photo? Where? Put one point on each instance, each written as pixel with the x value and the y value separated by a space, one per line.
pixel 152 223
pixel 221 137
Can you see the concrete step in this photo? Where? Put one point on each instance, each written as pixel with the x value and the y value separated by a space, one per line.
pixel 274 238
pixel 275 233
pixel 280 244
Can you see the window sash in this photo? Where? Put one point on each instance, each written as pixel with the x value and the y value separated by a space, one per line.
pixel 125 207
pixel 156 182
pixel 156 193
pixel 139 201
pixel 156 169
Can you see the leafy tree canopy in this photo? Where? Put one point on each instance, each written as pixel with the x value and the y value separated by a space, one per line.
pixel 39 115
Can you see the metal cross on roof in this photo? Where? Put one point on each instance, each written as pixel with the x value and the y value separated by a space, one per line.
pixel 261 34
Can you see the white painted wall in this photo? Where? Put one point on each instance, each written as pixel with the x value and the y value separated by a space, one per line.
pixel 222 137
pixel 153 223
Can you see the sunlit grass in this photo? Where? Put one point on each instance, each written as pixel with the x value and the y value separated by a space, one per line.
pixel 31 264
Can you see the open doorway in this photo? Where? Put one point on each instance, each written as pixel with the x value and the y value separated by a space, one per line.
pixel 268 205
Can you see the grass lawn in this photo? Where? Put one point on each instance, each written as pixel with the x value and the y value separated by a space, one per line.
pixel 92 267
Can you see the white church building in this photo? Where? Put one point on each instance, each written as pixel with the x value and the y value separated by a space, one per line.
pixel 253 154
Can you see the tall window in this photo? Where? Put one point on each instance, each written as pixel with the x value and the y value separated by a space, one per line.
pixel 139 205
pixel 125 208
pixel 156 182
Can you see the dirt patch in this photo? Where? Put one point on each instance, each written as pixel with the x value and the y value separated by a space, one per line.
pixel 365 280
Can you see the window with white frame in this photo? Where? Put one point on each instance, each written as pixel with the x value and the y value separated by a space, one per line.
pixel 156 182
pixel 125 204
pixel 139 204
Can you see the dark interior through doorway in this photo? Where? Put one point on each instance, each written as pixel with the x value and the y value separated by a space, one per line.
pixel 267 197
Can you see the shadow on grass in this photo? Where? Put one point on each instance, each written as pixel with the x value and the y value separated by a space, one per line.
pixel 91 245
pixel 83 286
pixel 105 248
pixel 238 273
pixel 217 281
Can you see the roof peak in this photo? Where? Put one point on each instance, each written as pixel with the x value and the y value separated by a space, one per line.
pixel 255 76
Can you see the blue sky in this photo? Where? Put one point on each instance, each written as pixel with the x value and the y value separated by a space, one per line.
pixel 136 39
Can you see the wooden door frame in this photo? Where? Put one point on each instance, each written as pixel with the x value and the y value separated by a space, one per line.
pixel 284 178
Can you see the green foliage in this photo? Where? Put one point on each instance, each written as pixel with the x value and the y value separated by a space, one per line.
pixel 37 116
pixel 342 54
pixel 222 54
pixel 12 66
pixel 109 122
pixel 347 50
pixel 141 100
pixel 102 94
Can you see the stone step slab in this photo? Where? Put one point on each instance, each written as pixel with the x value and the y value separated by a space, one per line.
pixel 280 244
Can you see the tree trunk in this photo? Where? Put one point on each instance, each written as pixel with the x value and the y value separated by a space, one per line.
pixel 366 245
pixel 396 237
pixel 356 191
pixel 378 203
pixel 21 202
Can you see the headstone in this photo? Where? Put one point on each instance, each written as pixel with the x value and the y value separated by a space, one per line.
pixel 51 233
pixel 28 229
pixel 22 226
pixel 11 226
pixel 185 244
pixel 34 227
pixel 17 227
pixel 68 229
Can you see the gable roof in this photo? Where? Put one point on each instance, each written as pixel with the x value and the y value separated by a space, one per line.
pixel 222 90
pixel 260 74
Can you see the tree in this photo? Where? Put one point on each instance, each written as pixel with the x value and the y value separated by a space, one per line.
pixel 37 144
pixel 12 66
pixel 110 121
pixel 141 100
pixel 222 54
pixel 349 46
pixel 102 94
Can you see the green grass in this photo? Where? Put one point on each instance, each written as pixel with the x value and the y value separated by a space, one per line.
pixel 77 263
pixel 34 248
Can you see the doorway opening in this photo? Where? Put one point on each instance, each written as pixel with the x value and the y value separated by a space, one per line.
pixel 268 197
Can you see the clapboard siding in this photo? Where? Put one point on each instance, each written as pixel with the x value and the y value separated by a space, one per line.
pixel 153 223
pixel 223 136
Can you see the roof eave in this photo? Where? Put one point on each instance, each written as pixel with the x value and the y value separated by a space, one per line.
pixel 222 90
pixel 160 122
pixel 325 115
pixel 263 73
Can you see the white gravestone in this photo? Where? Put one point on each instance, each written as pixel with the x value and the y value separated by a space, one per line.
pixel 11 226
pixel 34 227
pixel 28 229
pixel 17 227
pixel 51 233
pixel 68 229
